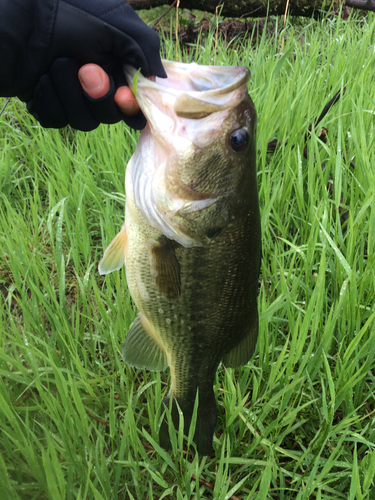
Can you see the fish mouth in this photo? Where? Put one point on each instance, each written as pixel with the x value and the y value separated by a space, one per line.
pixel 191 90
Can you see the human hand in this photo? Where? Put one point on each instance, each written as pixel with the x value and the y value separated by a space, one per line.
pixel 108 34
pixel 95 82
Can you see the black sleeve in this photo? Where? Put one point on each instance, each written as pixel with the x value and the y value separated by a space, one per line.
pixel 25 33
pixel 43 43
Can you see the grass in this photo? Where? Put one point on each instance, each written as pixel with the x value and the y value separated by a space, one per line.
pixel 298 421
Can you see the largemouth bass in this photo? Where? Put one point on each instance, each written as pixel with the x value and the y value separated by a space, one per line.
pixel 191 239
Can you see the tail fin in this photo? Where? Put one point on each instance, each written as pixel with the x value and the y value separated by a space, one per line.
pixel 204 427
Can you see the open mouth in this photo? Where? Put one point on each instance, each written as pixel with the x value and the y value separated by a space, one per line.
pixel 191 90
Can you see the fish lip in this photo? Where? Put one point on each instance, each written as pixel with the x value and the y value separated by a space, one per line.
pixel 238 75
pixel 191 100
pixel 241 75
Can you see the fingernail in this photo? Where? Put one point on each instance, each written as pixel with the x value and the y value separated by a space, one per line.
pixel 91 79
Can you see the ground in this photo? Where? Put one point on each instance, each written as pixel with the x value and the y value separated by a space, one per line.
pixel 296 422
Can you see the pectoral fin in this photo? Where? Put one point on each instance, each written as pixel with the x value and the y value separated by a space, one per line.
pixel 114 256
pixel 243 351
pixel 141 347
pixel 165 268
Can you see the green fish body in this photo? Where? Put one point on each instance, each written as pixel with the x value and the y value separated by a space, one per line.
pixel 191 239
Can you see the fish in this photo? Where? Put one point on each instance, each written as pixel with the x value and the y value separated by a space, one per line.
pixel 191 241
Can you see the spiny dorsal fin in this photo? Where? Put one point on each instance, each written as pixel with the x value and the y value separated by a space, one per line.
pixel 141 348
pixel 243 351
pixel 114 256
pixel 165 268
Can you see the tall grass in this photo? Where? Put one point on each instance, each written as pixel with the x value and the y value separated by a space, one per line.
pixel 298 421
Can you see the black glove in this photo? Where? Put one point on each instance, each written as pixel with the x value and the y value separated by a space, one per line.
pixel 105 32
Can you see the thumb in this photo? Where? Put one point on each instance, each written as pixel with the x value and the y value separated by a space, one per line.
pixel 94 80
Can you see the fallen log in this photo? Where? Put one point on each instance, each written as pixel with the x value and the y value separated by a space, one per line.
pixel 261 8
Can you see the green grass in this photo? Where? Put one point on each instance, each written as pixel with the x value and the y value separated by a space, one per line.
pixel 298 421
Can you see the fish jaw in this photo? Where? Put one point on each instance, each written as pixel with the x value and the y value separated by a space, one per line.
pixel 185 114
pixel 207 89
pixel 191 91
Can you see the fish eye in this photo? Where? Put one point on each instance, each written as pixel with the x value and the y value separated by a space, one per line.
pixel 238 139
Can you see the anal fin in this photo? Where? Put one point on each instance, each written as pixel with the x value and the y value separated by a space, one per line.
pixel 243 351
pixel 114 256
pixel 165 268
pixel 141 348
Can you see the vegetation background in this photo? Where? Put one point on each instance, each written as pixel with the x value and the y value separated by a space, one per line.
pixel 298 421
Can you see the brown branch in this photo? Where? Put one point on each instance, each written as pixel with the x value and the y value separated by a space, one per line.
pixel 329 104
pixel 165 13
pixel 248 14
pixel 5 105
pixel 24 397
pixel 272 145
pixel 217 28
pixel 97 418
pixel 202 481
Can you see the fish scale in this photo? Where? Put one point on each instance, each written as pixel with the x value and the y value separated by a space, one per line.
pixel 191 239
